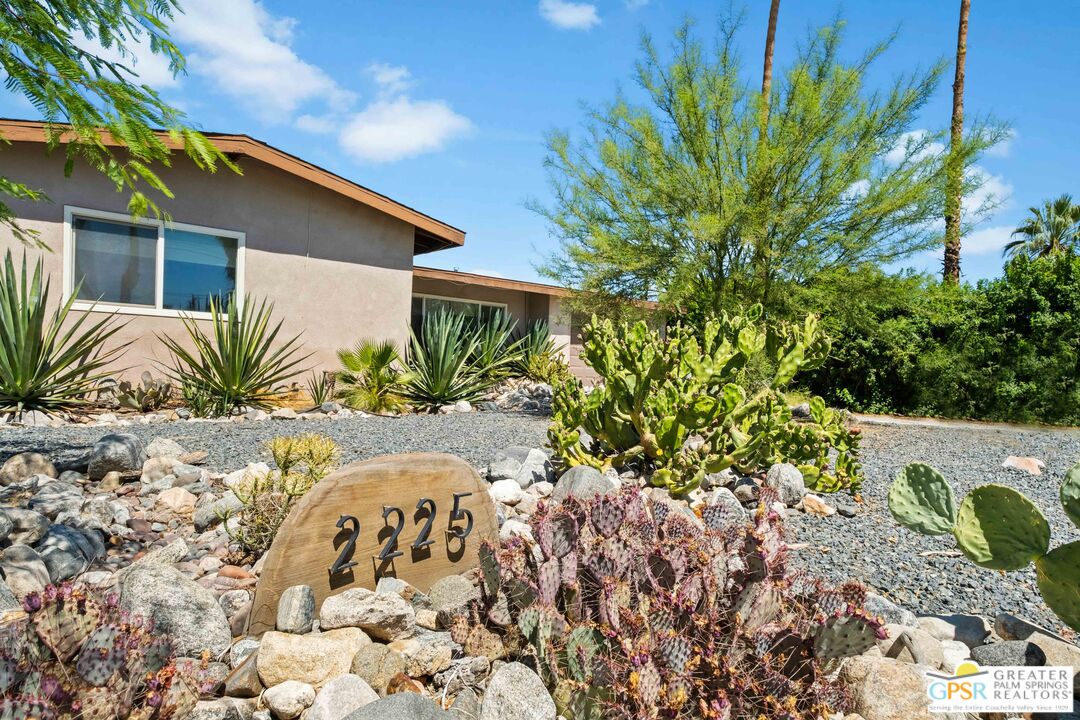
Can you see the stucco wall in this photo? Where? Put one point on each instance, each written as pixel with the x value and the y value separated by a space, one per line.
pixel 335 269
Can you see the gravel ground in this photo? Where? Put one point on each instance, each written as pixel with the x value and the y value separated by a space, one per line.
pixel 473 436
pixel 869 546
pixel 873 548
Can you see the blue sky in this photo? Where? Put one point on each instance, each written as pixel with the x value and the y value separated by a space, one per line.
pixel 444 105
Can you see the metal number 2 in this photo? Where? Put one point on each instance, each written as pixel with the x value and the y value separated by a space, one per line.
pixel 344 561
pixel 388 552
pixel 460 513
pixel 422 541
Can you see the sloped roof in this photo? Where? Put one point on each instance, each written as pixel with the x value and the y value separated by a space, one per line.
pixel 431 234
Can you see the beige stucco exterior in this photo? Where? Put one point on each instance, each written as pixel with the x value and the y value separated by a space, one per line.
pixel 336 270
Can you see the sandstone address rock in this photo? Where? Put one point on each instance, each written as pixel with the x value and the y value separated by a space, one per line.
pixel 183 611
pixel 515 691
pixel 384 616
pixel 315 658
pixel 121 452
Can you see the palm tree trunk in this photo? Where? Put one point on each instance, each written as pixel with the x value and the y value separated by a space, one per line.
pixel 759 230
pixel 954 171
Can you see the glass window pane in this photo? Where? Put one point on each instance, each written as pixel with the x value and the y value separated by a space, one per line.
pixel 116 262
pixel 197 267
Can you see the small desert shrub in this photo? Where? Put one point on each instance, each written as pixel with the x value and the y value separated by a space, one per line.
pixel 302 461
pixel 372 378
pixel 548 369
pixel 320 386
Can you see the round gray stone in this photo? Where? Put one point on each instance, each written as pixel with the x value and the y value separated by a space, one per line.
pixel 1010 652
pixel 121 452
pixel 582 482
pixel 402 706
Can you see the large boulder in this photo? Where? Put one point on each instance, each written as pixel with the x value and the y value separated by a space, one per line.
pixel 315 658
pixel 382 615
pixel 55 498
pixel 68 551
pixel 403 706
pixel 788 481
pixel 121 452
pixel 24 465
pixel 581 482
pixel 887 689
pixel 341 696
pixel 186 613
pixel 516 692
pixel 23 569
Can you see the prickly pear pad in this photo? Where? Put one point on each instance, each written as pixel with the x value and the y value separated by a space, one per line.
pixel 1070 494
pixel 1058 575
pixel 921 500
pixel 1000 529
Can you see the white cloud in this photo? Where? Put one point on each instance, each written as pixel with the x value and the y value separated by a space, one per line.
pixel 318 124
pixel 392 129
pixel 918 143
pixel 392 79
pixel 987 241
pixel 244 50
pixel 569 15
pixel 994 193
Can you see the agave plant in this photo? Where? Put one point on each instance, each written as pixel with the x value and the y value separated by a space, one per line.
pixel 438 360
pixel 48 362
pixel 534 344
pixel 241 362
pixel 496 353
pixel 372 378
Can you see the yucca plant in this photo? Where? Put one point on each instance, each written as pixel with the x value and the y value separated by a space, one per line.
pixel 372 377
pixel 240 363
pixel 46 362
pixel 538 349
pixel 438 360
pixel 496 353
pixel 320 387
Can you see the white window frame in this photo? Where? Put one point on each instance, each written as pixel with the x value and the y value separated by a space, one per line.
pixel 425 297
pixel 71 212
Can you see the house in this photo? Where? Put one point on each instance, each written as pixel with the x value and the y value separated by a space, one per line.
pixel 335 258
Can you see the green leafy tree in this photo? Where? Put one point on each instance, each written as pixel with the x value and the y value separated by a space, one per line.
pixel 61 55
pixel 676 199
pixel 1053 228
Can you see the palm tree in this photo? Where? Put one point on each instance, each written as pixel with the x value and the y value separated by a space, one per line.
pixel 1053 228
pixel 372 378
pixel 955 170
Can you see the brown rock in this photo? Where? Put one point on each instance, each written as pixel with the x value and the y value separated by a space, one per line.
pixel 402 683
pixel 26 464
pixel 234 572
pixel 198 457
pixel 377 665
pixel 110 482
pixel 886 689
pixel 244 681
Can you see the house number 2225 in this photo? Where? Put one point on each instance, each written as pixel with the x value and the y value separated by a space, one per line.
pixel 425 512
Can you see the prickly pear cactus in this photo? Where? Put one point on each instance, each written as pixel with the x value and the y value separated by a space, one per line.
pixel 998 528
pixel 672 406
pixel 663 615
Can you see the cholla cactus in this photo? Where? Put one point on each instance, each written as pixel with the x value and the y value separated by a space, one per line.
pixel 997 527
pixel 635 609
pixel 658 393
pixel 73 655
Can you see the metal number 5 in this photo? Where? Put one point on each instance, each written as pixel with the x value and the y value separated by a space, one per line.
pixel 388 552
pixel 344 561
pixel 460 513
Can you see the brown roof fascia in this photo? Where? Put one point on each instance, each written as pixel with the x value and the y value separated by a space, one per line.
pixel 432 229
pixel 465 278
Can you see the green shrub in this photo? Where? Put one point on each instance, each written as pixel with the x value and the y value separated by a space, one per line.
pixel 438 361
pixel 674 408
pixel 240 363
pixel 48 362
pixel 302 461
pixel 536 342
pixel 548 369
pixel 372 378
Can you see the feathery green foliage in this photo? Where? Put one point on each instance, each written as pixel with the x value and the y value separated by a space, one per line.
pixel 656 201
pixel 239 363
pixel 72 61
pixel 372 378
pixel 1053 228
pixel 47 362
pixel 438 359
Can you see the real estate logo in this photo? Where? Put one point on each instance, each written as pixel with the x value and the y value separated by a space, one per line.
pixel 1001 689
